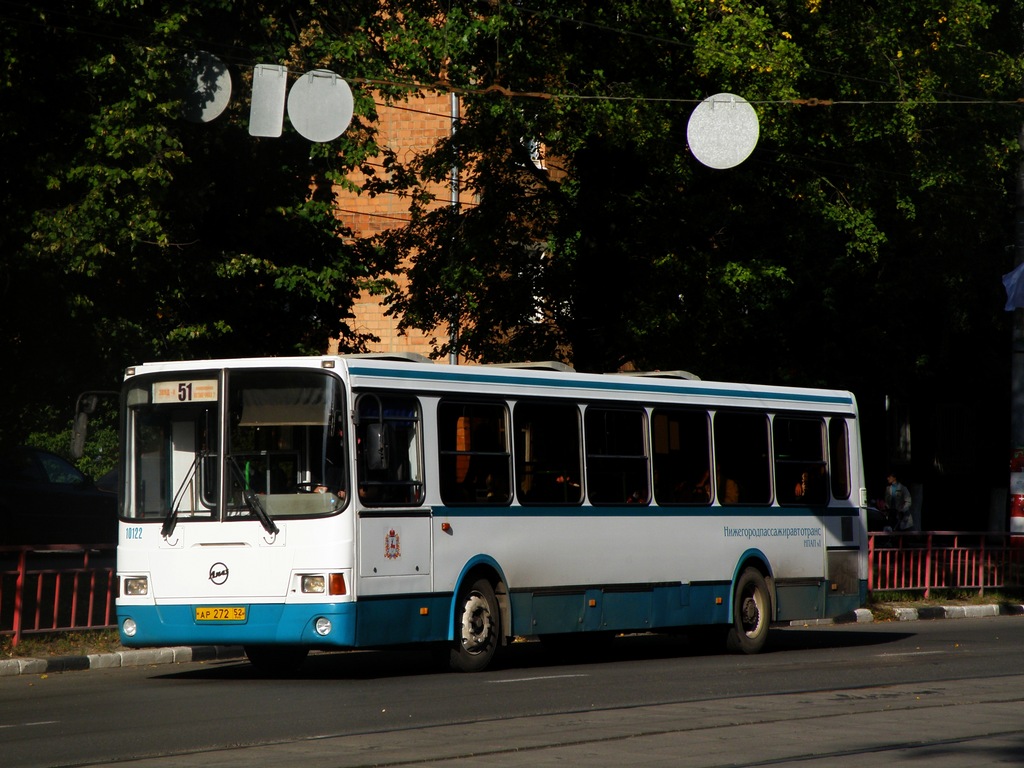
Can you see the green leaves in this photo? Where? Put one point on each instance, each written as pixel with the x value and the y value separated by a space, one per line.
pixel 585 230
pixel 877 161
pixel 153 237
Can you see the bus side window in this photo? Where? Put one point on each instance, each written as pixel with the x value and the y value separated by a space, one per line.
pixel 473 450
pixel 547 453
pixel 616 449
pixel 839 457
pixel 742 470
pixel 681 441
pixel 801 475
pixel 388 437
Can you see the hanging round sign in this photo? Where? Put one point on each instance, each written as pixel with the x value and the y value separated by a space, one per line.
pixel 209 89
pixel 320 105
pixel 722 131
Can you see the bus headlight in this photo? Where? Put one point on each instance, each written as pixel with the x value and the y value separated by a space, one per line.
pixel 314 583
pixel 129 628
pixel 135 586
pixel 322 626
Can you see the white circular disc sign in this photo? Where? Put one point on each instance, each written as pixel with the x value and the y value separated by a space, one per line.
pixel 209 88
pixel 722 131
pixel 320 105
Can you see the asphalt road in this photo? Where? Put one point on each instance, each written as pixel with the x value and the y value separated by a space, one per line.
pixel 942 692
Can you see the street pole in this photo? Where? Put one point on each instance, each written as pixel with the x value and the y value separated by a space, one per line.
pixel 453 330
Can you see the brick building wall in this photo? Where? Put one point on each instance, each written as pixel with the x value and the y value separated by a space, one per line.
pixel 408 130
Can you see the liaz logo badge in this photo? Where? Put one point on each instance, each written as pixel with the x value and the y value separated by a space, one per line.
pixel 392 545
pixel 218 573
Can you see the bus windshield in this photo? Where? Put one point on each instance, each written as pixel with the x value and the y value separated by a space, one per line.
pixel 275 437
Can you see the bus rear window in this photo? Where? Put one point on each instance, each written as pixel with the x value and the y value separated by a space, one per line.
pixel 839 457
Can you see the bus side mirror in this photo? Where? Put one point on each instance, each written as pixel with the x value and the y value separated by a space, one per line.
pixel 84 407
pixel 78 432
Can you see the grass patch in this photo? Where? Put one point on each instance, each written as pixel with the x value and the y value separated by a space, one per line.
pixel 882 611
pixel 78 643
pixel 943 597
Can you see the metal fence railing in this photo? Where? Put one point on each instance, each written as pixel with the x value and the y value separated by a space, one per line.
pixel 944 560
pixel 64 587
pixel 56 588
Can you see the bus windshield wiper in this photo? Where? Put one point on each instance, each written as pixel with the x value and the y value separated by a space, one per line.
pixel 172 514
pixel 252 499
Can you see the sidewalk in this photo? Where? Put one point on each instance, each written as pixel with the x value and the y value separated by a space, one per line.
pixel 185 654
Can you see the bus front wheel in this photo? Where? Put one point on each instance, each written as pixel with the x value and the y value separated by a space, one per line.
pixel 477 628
pixel 751 613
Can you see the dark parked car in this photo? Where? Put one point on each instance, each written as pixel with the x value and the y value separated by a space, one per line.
pixel 44 499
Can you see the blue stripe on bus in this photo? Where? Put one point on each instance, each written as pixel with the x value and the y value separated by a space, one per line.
pixel 366 623
pixel 640 510
pixel 611 385
pixel 382 621
pixel 265 623
pixel 600 610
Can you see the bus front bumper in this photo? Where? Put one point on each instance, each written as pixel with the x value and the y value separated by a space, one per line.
pixel 325 625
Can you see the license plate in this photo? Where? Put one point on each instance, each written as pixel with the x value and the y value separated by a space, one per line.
pixel 220 613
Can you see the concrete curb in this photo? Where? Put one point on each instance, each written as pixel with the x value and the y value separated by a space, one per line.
pixel 957 612
pixel 865 616
pixel 141 658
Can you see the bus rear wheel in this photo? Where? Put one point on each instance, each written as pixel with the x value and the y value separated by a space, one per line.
pixel 276 659
pixel 477 628
pixel 751 613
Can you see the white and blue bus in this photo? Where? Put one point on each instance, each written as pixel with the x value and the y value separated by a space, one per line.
pixel 289 504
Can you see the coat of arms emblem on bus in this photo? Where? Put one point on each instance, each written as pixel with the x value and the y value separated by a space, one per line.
pixel 392 545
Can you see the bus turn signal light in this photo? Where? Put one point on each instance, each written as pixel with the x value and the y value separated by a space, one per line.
pixel 337 582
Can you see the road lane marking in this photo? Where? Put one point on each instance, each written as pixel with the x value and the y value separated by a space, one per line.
pixel 912 653
pixel 532 679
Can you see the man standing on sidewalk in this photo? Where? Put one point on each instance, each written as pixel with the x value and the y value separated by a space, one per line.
pixel 898 502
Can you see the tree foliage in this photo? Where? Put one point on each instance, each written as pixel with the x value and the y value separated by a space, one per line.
pixel 885 165
pixel 133 234
pixel 859 246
